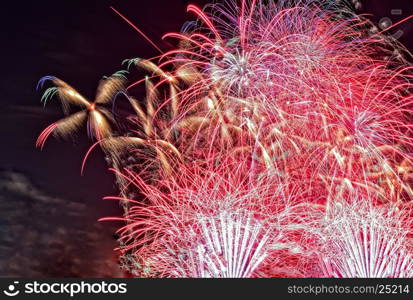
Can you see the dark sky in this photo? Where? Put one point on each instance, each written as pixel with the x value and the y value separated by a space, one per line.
pixel 48 211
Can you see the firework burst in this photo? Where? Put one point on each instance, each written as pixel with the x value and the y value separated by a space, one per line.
pixel 95 114
pixel 252 140
pixel 366 242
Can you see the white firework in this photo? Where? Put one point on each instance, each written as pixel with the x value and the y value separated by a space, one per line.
pixel 228 245
pixel 365 242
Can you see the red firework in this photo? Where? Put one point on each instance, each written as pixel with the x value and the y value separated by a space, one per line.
pixel 274 141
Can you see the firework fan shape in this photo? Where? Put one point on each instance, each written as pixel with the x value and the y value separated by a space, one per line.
pixel 366 242
pixel 274 141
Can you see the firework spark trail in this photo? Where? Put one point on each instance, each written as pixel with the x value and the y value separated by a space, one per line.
pixel 97 116
pixel 366 242
pixel 354 110
pixel 265 117
pixel 207 223
pixel 230 246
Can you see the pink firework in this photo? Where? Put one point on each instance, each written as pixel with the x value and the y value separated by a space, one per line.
pixel 274 141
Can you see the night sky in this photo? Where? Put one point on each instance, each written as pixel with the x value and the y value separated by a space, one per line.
pixel 48 211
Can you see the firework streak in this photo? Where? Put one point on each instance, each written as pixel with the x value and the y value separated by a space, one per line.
pixel 275 141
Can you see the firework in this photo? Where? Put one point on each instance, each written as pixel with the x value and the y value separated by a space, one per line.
pixel 94 112
pixel 366 242
pixel 211 221
pixel 252 141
